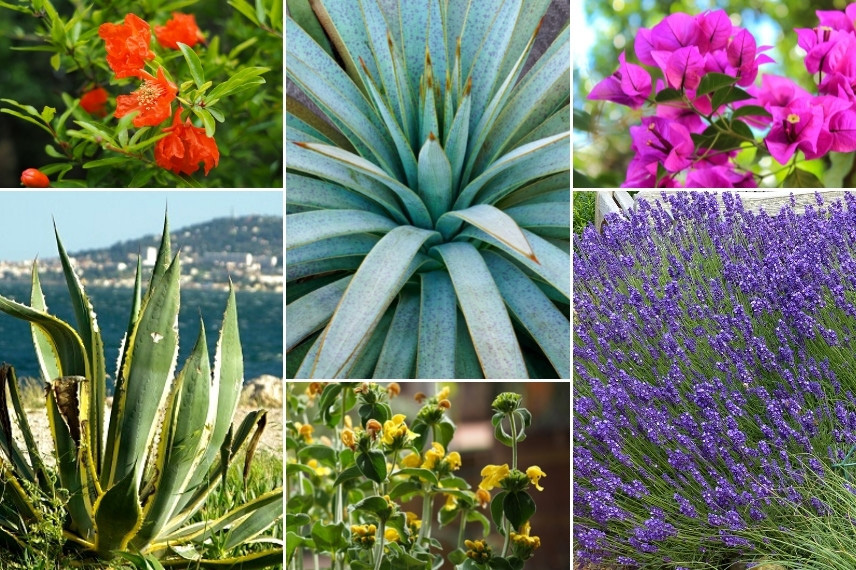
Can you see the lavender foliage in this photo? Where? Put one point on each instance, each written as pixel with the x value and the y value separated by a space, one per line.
pixel 713 374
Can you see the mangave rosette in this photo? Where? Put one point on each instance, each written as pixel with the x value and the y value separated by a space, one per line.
pixel 428 216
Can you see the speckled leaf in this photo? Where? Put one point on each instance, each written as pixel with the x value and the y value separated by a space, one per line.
pixel 437 327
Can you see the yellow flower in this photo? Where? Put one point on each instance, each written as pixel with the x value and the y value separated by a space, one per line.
pixel 454 460
pixel 395 431
pixel 349 422
pixel 363 535
pixel 534 473
pixel 451 502
pixel 373 427
pixel 443 394
pixel 483 497
pixel 478 550
pixel 304 431
pixel 412 460
pixel 349 438
pixel 319 469
pixel 524 544
pixel 412 522
pixel 391 535
pixel 492 475
pixel 433 455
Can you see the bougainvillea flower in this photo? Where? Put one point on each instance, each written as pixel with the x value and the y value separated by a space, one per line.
pixel 741 55
pixel 777 91
pixel 714 30
pixel 720 177
pixel 683 68
pixel 661 140
pixel 674 32
pixel 630 85
pixel 837 20
pixel 185 147
pixel 824 47
pixel 34 178
pixel 127 45
pixel 94 102
pixel 153 100
pixel 180 28
pixel 796 126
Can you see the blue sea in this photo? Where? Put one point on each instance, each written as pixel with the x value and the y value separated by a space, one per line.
pixel 260 321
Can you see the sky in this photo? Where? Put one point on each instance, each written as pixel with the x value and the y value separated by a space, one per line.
pixel 96 219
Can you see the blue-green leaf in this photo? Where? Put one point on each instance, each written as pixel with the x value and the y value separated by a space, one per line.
pixel 491 220
pixel 435 178
pixel 399 350
pixel 308 227
pixel 487 320
pixel 437 327
pixel 311 312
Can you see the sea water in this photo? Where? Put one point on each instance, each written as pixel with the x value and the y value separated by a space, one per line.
pixel 260 323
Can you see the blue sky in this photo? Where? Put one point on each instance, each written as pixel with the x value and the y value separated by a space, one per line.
pixel 93 219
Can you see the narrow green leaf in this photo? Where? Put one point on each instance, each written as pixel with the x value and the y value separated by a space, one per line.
pixel 492 221
pixel 102 162
pixel 728 95
pixel 481 303
pixel 750 111
pixel 435 356
pixel 544 322
pixel 666 95
pixel 370 291
pixel 193 63
pixel 399 350
pixel 311 312
pixel 302 13
pixel 244 8
pixel 435 178
pixel 308 227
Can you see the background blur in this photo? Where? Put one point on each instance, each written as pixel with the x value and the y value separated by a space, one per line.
pixel 249 157
pixel 605 28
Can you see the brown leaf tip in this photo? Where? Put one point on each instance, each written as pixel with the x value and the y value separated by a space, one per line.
pixel 469 86
pixel 431 136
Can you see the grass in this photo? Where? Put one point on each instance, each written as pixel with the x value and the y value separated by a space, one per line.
pixel 583 202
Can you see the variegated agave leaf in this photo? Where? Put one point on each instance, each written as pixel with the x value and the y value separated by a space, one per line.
pixel 428 212
pixel 137 488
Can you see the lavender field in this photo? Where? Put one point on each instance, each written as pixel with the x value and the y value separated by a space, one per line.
pixel 714 380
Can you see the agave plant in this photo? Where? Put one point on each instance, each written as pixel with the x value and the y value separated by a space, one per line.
pixel 428 215
pixel 169 441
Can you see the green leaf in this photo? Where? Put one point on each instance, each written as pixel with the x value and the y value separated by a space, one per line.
pixel 538 315
pixel 481 303
pixel 302 13
pixel 47 114
pixel 435 357
pixel 117 515
pixel 308 227
pixel 323 453
pixel 245 78
pixel 372 464
pixel 445 431
pixel 424 474
pixel 244 8
pixel 496 509
pixel 750 111
pixel 518 507
pixel 374 505
pixel 193 63
pixel 329 537
pixel 800 178
pixel 374 411
pixel 713 81
pixel 728 95
pixel 296 520
pixel 351 472
pixel 207 120
pixel 667 94
pixel 102 162
pixel 369 293
pixel 435 178
pixel 491 220
pixel 398 354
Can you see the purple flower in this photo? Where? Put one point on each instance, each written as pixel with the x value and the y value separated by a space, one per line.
pixel 795 127
pixel 683 67
pixel 630 85
pixel 659 140
pixel 741 55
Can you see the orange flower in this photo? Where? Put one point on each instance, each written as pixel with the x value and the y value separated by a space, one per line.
pixel 127 45
pixel 94 102
pixel 153 100
pixel 185 147
pixel 34 178
pixel 181 28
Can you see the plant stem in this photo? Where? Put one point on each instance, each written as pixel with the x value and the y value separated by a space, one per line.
pixel 379 555
pixel 463 526
pixel 513 466
pixel 339 493
pixel 425 530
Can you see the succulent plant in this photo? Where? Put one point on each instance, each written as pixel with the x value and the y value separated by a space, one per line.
pixel 428 211
pixel 170 438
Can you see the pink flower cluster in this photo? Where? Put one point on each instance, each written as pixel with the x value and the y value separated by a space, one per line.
pixel 679 144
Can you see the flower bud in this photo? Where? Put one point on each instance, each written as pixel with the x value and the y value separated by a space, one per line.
pixel 373 427
pixel 34 178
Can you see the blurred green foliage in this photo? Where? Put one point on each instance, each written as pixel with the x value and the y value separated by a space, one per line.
pixel 250 140
pixel 601 143
pixel 583 203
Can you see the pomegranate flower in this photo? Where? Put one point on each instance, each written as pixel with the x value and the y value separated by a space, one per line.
pixel 94 102
pixel 185 147
pixel 180 28
pixel 153 100
pixel 34 178
pixel 127 45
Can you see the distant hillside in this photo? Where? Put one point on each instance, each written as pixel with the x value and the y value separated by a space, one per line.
pixel 257 235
